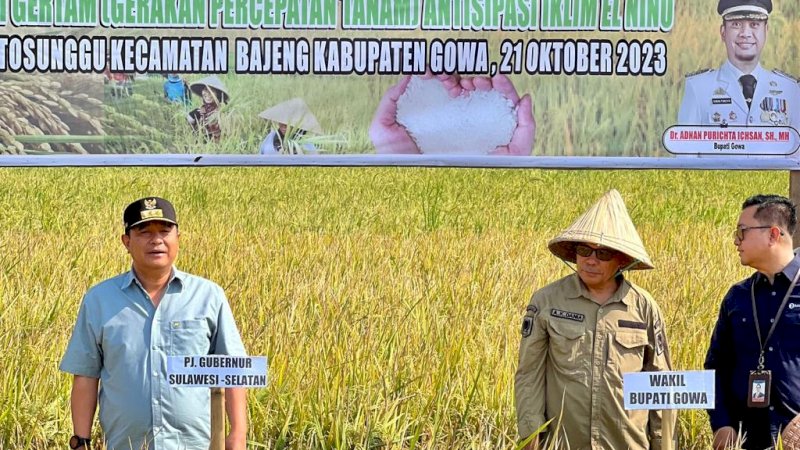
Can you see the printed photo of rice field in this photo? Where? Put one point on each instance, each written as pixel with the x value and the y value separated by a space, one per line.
pixel 578 115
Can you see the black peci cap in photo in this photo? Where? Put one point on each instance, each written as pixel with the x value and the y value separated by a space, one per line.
pixel 149 209
pixel 744 9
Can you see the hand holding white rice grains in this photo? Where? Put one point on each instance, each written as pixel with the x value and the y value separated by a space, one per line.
pixel 450 114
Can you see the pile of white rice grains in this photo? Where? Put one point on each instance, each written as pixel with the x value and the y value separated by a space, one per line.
pixel 474 123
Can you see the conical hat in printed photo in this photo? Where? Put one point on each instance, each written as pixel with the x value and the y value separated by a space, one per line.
pixel 608 224
pixel 213 82
pixel 294 113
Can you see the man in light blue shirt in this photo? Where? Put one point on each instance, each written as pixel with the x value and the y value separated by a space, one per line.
pixel 126 328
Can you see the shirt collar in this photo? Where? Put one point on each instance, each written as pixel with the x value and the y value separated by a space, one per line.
pixel 789 271
pixel 176 276
pixel 757 71
pixel 576 289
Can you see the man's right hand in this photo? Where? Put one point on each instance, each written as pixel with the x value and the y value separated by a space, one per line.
pixel 724 438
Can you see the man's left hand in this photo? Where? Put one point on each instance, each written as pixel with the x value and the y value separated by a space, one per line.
pixel 235 441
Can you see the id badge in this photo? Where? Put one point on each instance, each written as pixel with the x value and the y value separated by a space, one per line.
pixel 759 385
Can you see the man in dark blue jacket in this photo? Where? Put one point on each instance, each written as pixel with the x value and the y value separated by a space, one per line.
pixel 755 342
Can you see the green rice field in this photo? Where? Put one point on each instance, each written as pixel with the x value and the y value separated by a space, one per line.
pixel 388 301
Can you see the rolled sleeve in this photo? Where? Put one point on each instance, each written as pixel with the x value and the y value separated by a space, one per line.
pixel 226 339
pixel 83 355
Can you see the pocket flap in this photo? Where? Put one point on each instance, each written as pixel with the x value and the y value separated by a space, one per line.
pixel 631 338
pixel 194 324
pixel 567 330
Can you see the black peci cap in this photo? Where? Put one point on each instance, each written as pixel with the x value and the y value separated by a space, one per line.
pixel 149 209
pixel 744 9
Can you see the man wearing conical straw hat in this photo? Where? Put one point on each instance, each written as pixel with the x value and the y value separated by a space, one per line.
pixel 206 117
pixel 582 332
pixel 294 119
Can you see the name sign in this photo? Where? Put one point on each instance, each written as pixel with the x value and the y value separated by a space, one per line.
pixel 669 390
pixel 731 140
pixel 217 371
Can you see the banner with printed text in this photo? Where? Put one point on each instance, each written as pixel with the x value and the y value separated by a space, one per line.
pixel 647 78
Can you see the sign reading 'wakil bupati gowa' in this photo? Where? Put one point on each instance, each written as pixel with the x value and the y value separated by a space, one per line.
pixel 217 371
pixel 669 390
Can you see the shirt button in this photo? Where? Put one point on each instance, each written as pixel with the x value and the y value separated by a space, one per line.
pixel 770 349
pixel 601 310
pixel 772 408
pixel 155 402
pixel 773 294
pixel 155 347
pixel 743 320
pixel 155 374
pixel 771 320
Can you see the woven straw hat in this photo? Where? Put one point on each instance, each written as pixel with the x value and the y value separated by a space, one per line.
pixel 606 223
pixel 212 82
pixel 294 113
pixel 790 438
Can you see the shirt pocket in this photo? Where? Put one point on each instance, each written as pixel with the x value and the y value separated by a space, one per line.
pixel 566 340
pixel 627 350
pixel 189 337
pixel 743 329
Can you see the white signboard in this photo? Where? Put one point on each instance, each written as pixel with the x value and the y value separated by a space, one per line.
pixel 217 371
pixel 669 390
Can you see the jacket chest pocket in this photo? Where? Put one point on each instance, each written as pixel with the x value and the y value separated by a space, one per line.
pixel 566 341
pixel 627 350
pixel 189 337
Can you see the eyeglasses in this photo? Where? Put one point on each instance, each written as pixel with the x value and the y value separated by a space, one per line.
pixel 603 254
pixel 739 233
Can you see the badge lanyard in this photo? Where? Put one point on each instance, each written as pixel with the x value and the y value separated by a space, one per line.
pixel 763 343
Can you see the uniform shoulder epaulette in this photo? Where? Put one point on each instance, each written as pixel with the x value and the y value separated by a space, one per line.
pixel 698 72
pixel 785 75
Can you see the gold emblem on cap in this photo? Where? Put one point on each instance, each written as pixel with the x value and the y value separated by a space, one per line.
pixel 149 203
pixel 152 214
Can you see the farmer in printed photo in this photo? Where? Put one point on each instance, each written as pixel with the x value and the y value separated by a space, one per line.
pixel 582 332
pixel 176 90
pixel 291 120
pixel 205 119
pixel 121 83
pixel 450 114
pixel 126 328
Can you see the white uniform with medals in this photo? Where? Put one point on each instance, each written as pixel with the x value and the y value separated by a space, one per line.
pixel 715 97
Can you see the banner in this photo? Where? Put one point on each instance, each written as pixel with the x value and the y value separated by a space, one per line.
pixel 648 78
